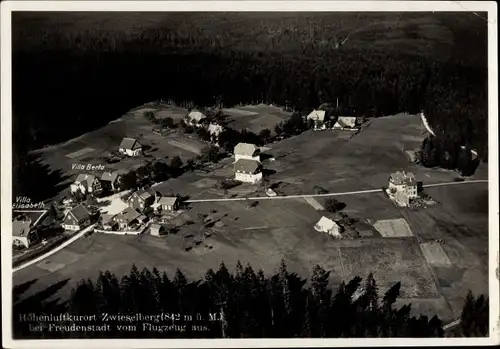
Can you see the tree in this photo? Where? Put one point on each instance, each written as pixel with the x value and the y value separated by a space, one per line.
pixel 332 205
pixel 204 134
pixel 176 165
pixel 210 154
pixel 278 129
pixel 128 181
pixel 167 122
pixel 264 135
pixel 160 171
pixel 474 320
pixel 150 116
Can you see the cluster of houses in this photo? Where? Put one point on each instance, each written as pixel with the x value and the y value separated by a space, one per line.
pixel 24 230
pixel 197 119
pixel 95 185
pixel 323 122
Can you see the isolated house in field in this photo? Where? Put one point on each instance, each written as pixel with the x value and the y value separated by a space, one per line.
pixel 318 116
pixel 195 118
pixel 403 187
pixel 86 184
pixel 246 151
pixel 168 203
pixel 76 219
pixel 130 147
pixel 345 122
pixel 249 171
pixel 142 199
pixel 128 218
pixel 157 229
pixel 329 226
pixel 23 233
pixel 109 180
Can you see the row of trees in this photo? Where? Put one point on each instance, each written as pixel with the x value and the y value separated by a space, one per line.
pixel 448 154
pixel 247 304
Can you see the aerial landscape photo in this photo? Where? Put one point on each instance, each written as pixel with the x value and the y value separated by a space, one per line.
pixel 249 174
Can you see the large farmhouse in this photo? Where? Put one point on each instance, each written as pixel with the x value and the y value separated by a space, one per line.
pixel 246 151
pixel 249 171
pixel 76 219
pixel 128 218
pixel 86 184
pixel 130 147
pixel 403 187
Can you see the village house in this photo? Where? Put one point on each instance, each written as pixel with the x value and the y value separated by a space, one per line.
pixel 109 180
pixel 142 199
pixel 86 184
pixel 249 171
pixel 214 130
pixel 23 233
pixel 195 118
pixel 329 226
pixel 168 203
pixel 128 218
pixel 157 229
pixel 246 151
pixel 403 187
pixel 318 116
pixel 345 122
pixel 109 222
pixel 76 219
pixel 130 147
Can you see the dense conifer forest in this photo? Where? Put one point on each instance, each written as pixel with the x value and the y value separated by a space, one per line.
pixel 71 79
pixel 243 304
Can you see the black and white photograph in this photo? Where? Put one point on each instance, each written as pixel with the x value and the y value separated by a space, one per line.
pixel 199 174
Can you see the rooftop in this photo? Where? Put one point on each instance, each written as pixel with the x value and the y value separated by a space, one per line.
pixel 402 177
pixel 130 143
pixel 245 149
pixel 247 166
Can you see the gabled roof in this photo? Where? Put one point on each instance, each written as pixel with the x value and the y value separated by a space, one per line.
pixel 167 200
pixel 317 115
pixel 245 149
pixel 109 176
pixel 21 228
pixel 197 116
pixel 347 121
pixel 130 143
pixel 79 212
pixel 129 214
pixel 402 177
pixel 247 166
pixel 326 224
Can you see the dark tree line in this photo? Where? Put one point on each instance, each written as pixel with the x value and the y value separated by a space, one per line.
pixel 245 304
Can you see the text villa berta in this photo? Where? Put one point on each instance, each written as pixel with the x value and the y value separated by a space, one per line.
pixel 24 203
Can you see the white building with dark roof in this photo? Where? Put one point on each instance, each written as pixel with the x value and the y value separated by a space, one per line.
pixel 110 180
pixel 403 187
pixel 128 218
pixel 142 199
pixel 86 184
pixel 23 233
pixel 130 147
pixel 249 171
pixel 246 151
pixel 76 219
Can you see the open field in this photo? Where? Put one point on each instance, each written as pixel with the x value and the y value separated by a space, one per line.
pixel 391 228
pixel 255 118
pixel 276 229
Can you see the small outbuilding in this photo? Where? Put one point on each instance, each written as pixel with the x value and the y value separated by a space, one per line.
pixel 130 147
pixel 157 229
